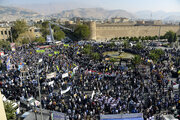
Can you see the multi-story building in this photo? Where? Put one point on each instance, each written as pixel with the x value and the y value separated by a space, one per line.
pixel 119 20
pixel 2 111
pixel 5 33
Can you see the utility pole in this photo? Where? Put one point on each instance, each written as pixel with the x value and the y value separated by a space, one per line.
pixel 39 88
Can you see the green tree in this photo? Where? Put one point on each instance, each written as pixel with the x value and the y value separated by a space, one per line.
pixel 143 38
pixel 45 24
pixel 139 46
pixel 113 60
pixel 126 44
pixel 171 36
pixel 116 38
pixel 131 39
pixel 56 28
pixel 95 56
pixel 136 39
pixel 5 45
pixel 162 37
pixel 59 35
pixel 136 60
pixel 82 31
pixel 88 49
pixel 10 111
pixel 25 41
pixel 18 28
pixel 156 54
pixel 112 44
pixel 40 40
pixel 45 29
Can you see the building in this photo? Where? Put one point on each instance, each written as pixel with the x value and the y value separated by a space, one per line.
pixel 119 20
pixel 35 31
pixel 154 22
pixel 140 22
pixel 5 33
pixel 69 22
pixel 2 111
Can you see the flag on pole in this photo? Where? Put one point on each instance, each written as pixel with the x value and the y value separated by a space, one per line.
pixel 8 63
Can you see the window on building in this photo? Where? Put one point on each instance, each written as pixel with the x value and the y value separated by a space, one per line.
pixel 5 32
pixel 9 32
pixel 1 32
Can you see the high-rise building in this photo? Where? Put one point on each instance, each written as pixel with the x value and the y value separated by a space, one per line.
pixel 2 111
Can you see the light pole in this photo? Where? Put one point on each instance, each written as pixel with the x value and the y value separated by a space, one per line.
pixel 40 60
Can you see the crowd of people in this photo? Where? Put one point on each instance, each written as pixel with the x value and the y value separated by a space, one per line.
pixel 96 86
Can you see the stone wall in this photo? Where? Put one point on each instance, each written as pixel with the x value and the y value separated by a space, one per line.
pixel 106 32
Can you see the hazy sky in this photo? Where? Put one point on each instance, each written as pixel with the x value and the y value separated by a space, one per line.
pixel 129 5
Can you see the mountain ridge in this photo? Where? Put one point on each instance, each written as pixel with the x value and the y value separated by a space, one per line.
pixel 14 13
pixel 98 13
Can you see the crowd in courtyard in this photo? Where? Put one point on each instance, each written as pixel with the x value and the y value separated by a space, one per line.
pixel 95 86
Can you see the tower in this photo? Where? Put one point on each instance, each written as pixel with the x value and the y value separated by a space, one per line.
pixel 92 26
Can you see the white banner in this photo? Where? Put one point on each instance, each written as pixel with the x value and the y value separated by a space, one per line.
pixel 65 75
pixel 51 75
pixel 65 91
pixel 51 83
pixel 93 93
pixel 74 70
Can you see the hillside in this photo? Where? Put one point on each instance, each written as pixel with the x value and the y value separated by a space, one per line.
pixel 12 13
pixel 159 15
pixel 98 13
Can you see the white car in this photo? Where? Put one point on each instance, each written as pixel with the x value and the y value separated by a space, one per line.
pixel 30 102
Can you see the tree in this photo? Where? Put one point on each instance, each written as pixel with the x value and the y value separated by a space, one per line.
pixel 58 35
pixel 131 39
pixel 25 41
pixel 45 24
pixel 113 60
pixel 56 28
pixel 10 111
pixel 162 37
pixel 88 49
pixel 95 56
pixel 112 44
pixel 126 44
pixel 116 38
pixel 82 31
pixel 5 45
pixel 171 36
pixel 156 54
pixel 45 29
pixel 40 40
pixel 18 28
pixel 139 46
pixel 136 60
